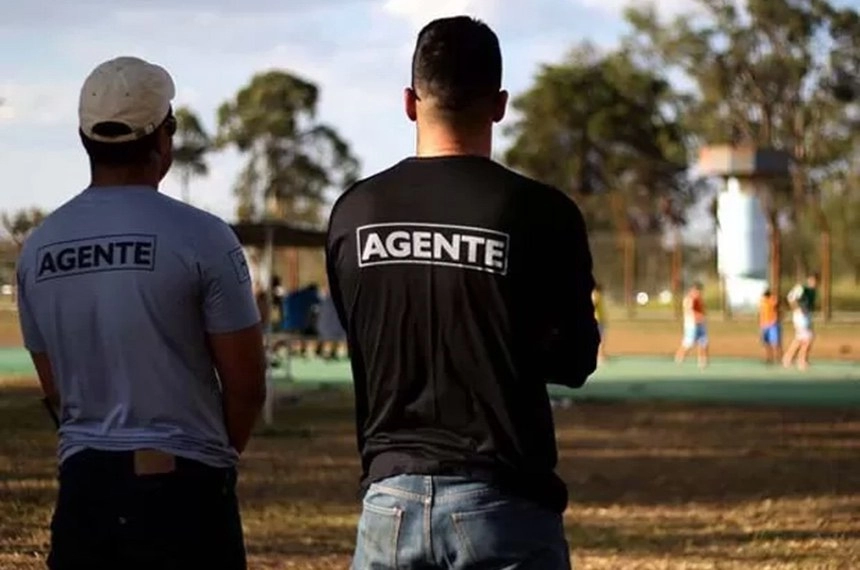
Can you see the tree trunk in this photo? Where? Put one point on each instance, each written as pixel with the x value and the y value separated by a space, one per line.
pixel 799 266
pixel 677 268
pixel 826 277
pixel 857 273
pixel 630 273
pixel 775 254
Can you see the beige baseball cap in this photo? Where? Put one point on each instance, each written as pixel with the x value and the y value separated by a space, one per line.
pixel 129 91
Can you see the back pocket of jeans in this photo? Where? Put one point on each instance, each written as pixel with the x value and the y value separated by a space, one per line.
pixel 378 537
pixel 511 533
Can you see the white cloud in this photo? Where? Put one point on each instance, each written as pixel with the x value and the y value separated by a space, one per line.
pixel 665 8
pixel 420 12
pixel 42 14
pixel 7 112
pixel 357 51
pixel 38 103
pixel 361 75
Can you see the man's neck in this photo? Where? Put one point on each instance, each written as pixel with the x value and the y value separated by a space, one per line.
pixel 435 142
pixel 106 177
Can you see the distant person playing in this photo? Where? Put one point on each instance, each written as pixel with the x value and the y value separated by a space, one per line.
pixel 332 337
pixel 278 293
pixel 139 315
pixel 695 327
pixel 802 300
pixel 601 318
pixel 435 266
pixel 769 325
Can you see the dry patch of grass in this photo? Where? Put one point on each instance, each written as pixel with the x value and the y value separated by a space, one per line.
pixel 653 486
pixel 689 487
pixel 737 338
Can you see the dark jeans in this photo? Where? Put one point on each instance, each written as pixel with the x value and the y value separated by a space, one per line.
pixel 109 517
pixel 451 523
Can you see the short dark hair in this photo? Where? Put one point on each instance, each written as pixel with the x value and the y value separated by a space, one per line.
pixel 457 63
pixel 124 153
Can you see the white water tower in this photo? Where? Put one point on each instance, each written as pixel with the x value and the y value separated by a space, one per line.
pixel 743 242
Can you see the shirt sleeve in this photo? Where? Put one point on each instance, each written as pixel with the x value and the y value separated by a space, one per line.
pixel 571 354
pixel 33 339
pixel 341 284
pixel 332 252
pixel 228 300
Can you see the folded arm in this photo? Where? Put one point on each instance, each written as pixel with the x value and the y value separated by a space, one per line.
pixel 571 349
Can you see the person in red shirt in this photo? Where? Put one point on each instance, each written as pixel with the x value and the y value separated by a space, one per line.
pixel 695 328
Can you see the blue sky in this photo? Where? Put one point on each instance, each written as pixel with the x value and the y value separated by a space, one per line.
pixel 357 50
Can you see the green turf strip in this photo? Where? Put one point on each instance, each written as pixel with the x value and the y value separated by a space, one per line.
pixel 727 380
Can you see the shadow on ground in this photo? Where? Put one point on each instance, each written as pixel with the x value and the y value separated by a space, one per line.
pixel 675 483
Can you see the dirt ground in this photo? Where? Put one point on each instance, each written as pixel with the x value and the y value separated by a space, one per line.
pixel 653 486
pixel 650 337
pixel 838 341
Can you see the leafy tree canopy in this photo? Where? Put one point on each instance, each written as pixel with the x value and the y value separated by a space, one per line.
pixel 607 130
pixel 293 162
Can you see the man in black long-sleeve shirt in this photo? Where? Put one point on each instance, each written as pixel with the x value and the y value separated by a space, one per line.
pixel 464 289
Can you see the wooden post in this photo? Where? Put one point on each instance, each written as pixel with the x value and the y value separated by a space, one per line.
pixel 629 273
pixel 293 277
pixel 268 262
pixel 725 306
pixel 826 277
pixel 677 264
pixel 775 260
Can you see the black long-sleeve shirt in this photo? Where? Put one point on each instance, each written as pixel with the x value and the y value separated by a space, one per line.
pixel 464 289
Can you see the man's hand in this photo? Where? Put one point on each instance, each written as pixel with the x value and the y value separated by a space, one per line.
pixel 52 411
pixel 45 372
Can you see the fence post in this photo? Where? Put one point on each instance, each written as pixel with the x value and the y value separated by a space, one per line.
pixel 293 277
pixel 677 264
pixel 826 277
pixel 775 259
pixel 725 307
pixel 629 273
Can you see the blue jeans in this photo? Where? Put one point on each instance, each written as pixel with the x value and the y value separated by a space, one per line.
pixel 770 335
pixel 452 523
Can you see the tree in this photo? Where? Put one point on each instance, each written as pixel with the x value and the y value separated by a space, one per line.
pixel 19 224
pixel 845 55
pixel 841 205
pixel 293 162
pixel 605 130
pixel 760 76
pixel 191 145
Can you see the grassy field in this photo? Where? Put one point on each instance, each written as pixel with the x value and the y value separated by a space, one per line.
pixel 653 486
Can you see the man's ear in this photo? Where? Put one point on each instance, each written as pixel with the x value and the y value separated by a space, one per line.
pixel 410 103
pixel 165 152
pixel 501 106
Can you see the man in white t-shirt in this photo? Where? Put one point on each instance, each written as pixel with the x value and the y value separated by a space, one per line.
pixel 137 310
